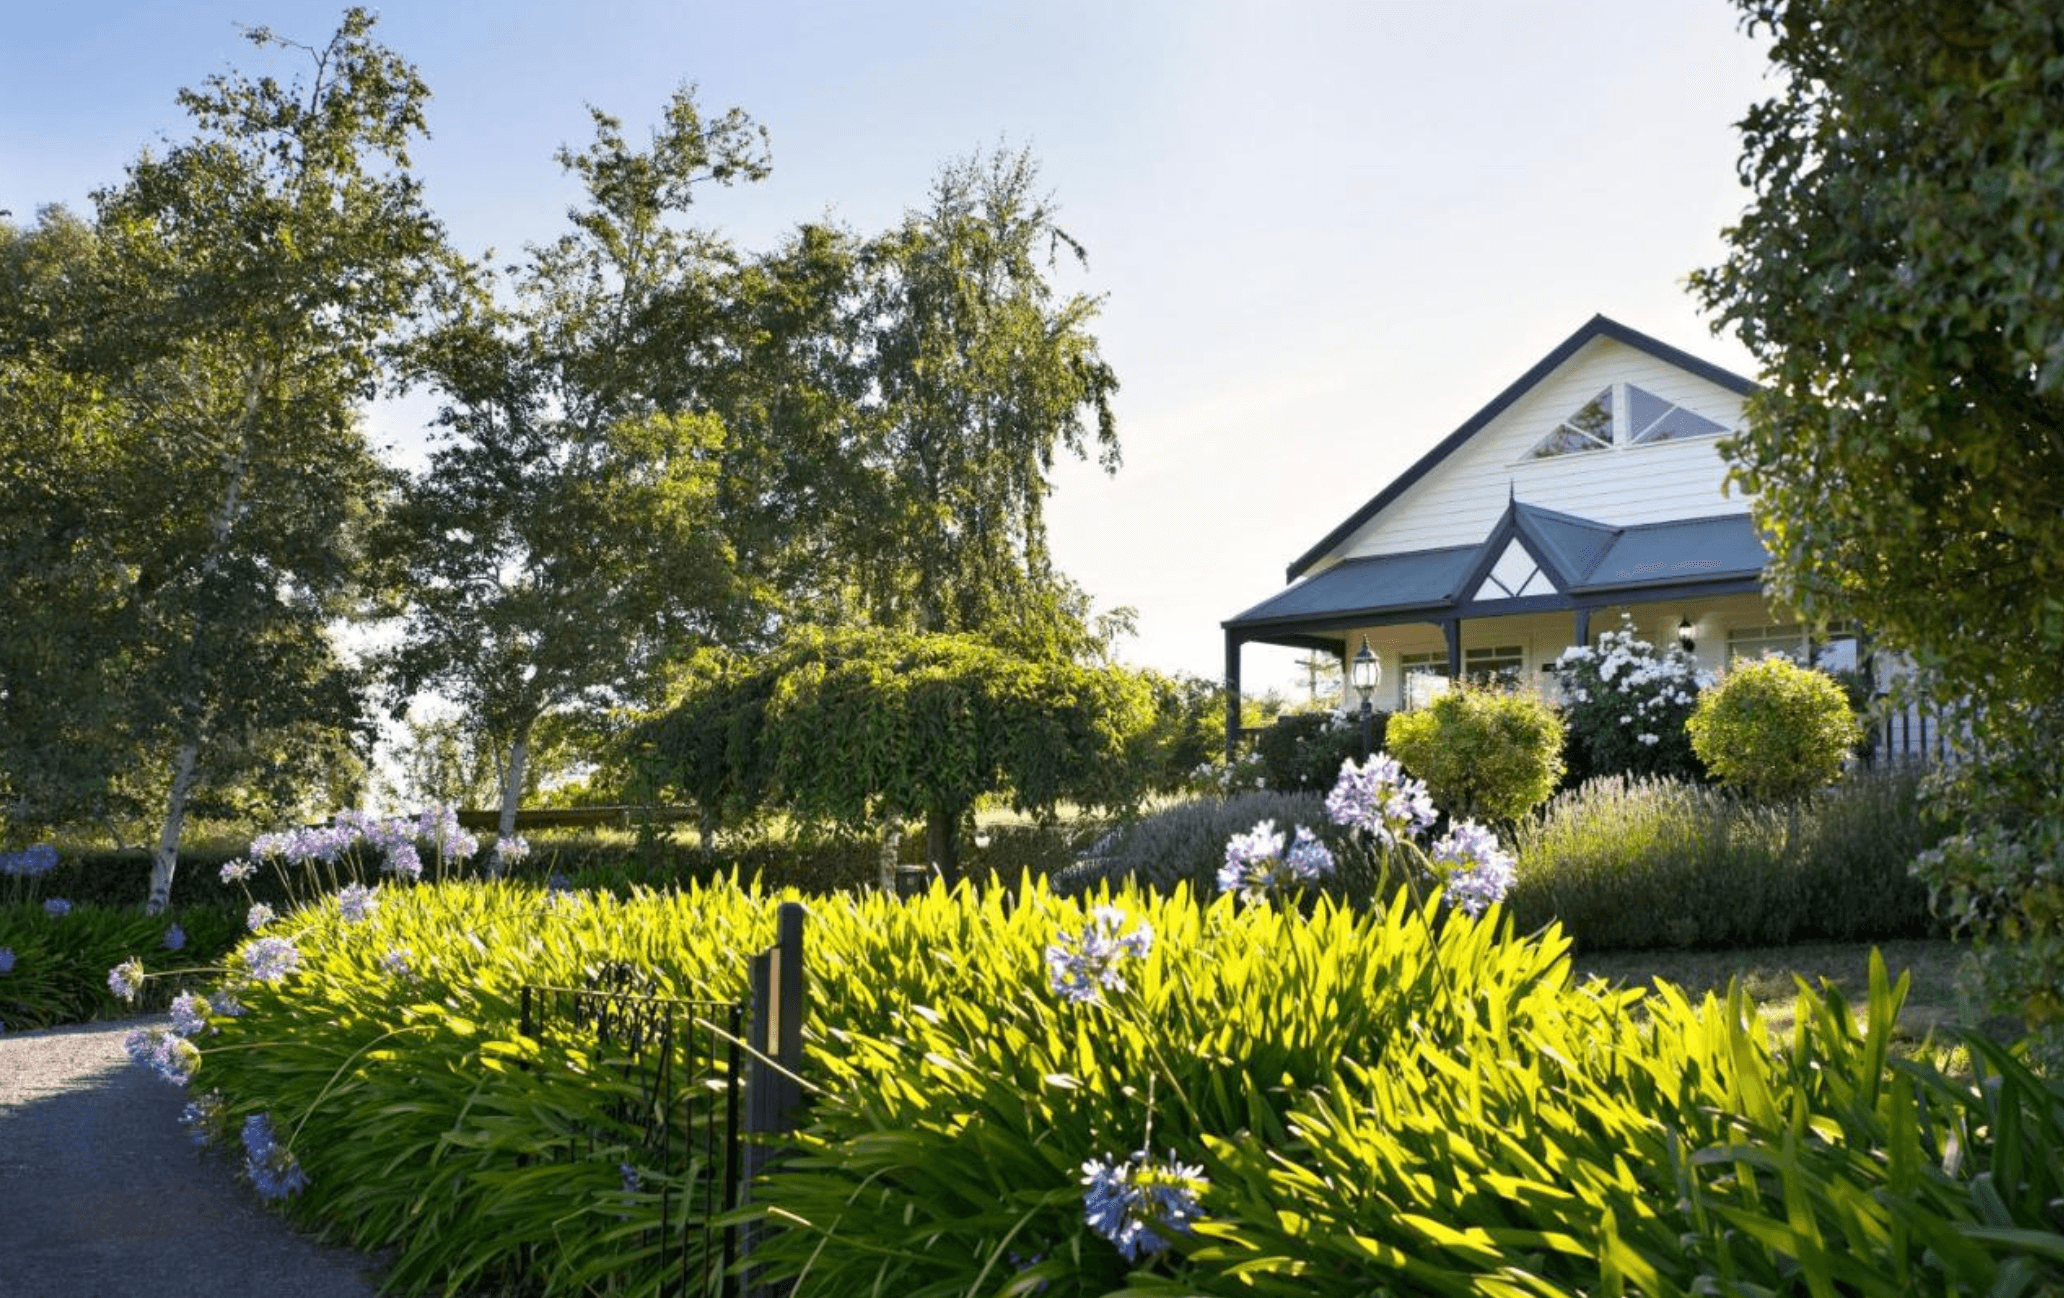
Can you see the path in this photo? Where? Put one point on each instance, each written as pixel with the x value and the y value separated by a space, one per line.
pixel 102 1194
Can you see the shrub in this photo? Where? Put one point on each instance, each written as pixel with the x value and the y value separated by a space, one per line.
pixel 1302 751
pixel 1483 752
pixel 1632 863
pixel 56 968
pixel 1625 706
pixel 1774 729
pixel 1185 845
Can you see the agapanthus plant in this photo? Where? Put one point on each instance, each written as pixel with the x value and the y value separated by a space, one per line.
pixel 24 868
pixel 270 1165
pixel 1388 813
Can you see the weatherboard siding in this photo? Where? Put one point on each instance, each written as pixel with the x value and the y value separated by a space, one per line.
pixel 1457 502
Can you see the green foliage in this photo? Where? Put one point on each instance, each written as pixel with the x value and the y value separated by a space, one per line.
pixel 1894 276
pixel 1183 846
pixel 61 963
pixel 854 726
pixel 1633 863
pixel 1625 705
pixel 1484 753
pixel 1302 751
pixel 2003 891
pixel 1187 732
pixel 1774 729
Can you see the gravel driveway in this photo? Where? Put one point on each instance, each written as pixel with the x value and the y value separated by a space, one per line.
pixel 102 1194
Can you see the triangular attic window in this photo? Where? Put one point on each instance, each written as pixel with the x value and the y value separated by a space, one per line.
pixel 1652 419
pixel 1515 574
pixel 1590 429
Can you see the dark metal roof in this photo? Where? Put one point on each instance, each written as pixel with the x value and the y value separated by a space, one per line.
pixel 1595 561
pixel 1692 549
pixel 1597 327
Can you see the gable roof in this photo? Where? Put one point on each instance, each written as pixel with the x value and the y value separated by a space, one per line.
pixel 1597 327
pixel 1587 563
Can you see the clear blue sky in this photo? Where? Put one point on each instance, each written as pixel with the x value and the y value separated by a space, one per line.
pixel 1327 232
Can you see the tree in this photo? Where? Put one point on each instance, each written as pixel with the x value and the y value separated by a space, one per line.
pixel 566 540
pixel 237 299
pixel 858 726
pixel 1896 278
pixel 980 374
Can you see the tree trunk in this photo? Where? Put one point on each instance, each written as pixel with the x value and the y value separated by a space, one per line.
pixel 891 847
pixel 706 832
pixel 942 843
pixel 165 858
pixel 512 793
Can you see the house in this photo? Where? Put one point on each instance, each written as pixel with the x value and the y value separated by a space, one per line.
pixel 1590 488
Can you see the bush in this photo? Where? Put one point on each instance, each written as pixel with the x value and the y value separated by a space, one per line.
pixel 1484 753
pixel 57 967
pixel 1185 845
pixel 1302 752
pixel 1626 705
pixel 1774 729
pixel 1627 863
pixel 1354 1103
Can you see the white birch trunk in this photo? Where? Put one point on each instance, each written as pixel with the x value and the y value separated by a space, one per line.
pixel 892 842
pixel 165 858
pixel 512 794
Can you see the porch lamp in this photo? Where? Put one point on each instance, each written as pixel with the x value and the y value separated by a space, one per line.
pixel 1684 640
pixel 1368 674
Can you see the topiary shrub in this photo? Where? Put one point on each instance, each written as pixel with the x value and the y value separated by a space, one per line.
pixel 1483 752
pixel 1302 752
pixel 1774 729
pixel 1625 705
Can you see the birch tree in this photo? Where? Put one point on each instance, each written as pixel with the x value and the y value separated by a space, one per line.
pixel 242 287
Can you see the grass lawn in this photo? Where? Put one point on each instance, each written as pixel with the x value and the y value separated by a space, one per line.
pixel 1767 974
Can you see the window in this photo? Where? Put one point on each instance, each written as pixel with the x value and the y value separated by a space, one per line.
pixel 1425 677
pixel 1752 642
pixel 1500 666
pixel 1590 429
pixel 1434 663
pixel 1651 419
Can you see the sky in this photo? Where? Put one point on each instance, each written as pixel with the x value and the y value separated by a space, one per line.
pixel 1324 233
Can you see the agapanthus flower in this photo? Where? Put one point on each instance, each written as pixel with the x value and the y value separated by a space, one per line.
pixel 167 1054
pixel 189 1014
pixel 57 908
pixel 270 1165
pixel 356 902
pixel 29 862
pixel 203 1117
pixel 1379 798
pixel 225 1004
pixel 1256 863
pixel 270 959
pixel 6 959
pixel 175 938
pixel 1077 967
pixel 1138 1204
pixel 1479 872
pixel 125 980
pixel 396 961
pixel 238 871
pixel 259 916
pixel 405 862
pixel 511 849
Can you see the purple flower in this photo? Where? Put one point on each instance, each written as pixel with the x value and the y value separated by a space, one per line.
pixel 30 862
pixel 226 1005
pixel 175 938
pixel 396 962
pixel 126 979
pixel 238 871
pixel 203 1118
pixel 405 862
pixel 57 908
pixel 259 916
pixel 270 1165
pixel 511 849
pixel 1138 1204
pixel 1076 967
pixel 189 1015
pixel 167 1054
pixel 6 959
pixel 1479 872
pixel 1256 863
pixel 270 959
pixel 356 902
pixel 1377 797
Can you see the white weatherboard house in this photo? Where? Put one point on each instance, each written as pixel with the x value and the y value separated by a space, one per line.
pixel 1590 488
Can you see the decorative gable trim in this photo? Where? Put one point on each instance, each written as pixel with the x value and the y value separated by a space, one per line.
pixel 1597 327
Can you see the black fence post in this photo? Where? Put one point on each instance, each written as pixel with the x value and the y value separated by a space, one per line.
pixel 773 1091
